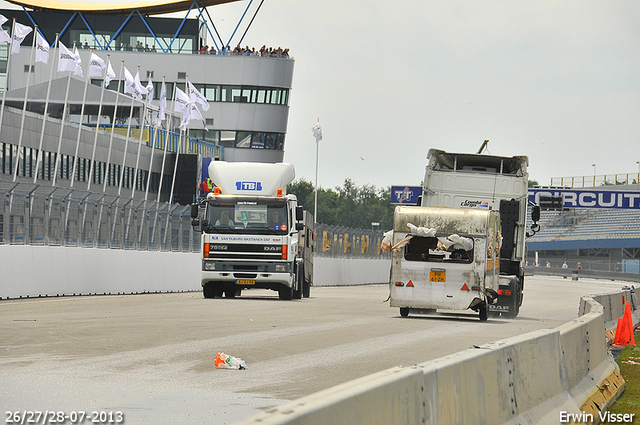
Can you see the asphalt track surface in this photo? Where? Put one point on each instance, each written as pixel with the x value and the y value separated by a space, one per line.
pixel 151 356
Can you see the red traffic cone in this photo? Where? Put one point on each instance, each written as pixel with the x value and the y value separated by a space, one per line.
pixel 624 329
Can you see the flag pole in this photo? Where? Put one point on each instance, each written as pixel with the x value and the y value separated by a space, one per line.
pixel 44 116
pixel 126 146
pixel 24 109
pixel 142 120
pixel 95 137
pixel 113 125
pixel 166 144
pixel 84 100
pixel 64 116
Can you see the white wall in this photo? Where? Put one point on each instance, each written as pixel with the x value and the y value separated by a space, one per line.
pixel 343 271
pixel 32 271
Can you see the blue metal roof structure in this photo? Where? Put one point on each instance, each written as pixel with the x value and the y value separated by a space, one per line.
pixel 143 10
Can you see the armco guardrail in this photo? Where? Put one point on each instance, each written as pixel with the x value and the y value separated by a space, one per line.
pixel 541 377
pixel 591 274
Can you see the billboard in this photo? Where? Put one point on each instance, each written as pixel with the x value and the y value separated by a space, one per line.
pixel 589 198
pixel 405 195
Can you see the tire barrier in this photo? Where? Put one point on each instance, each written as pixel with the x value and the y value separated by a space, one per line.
pixel 543 377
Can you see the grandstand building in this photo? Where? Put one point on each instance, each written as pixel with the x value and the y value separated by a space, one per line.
pixel 85 166
pixel 248 97
pixel 599 238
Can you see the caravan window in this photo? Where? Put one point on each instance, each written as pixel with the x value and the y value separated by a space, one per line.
pixel 431 249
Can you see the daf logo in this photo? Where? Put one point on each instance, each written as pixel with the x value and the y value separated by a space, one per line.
pixel 272 248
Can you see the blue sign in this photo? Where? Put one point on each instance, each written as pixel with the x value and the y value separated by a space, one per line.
pixel 251 186
pixel 405 195
pixel 584 198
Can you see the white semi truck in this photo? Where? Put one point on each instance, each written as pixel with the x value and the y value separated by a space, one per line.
pixel 456 188
pixel 253 235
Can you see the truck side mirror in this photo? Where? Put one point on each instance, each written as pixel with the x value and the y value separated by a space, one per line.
pixel 194 210
pixel 299 213
pixel 535 213
pixel 299 226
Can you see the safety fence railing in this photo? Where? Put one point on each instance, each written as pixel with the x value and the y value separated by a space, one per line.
pixel 31 215
pixel 46 216
pixel 345 242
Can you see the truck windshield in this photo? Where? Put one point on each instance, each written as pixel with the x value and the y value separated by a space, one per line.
pixel 247 217
pixel 437 249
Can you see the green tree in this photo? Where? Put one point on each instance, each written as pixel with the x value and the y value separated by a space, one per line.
pixel 349 205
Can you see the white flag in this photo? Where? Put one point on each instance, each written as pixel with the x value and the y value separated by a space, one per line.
pixel 163 102
pixel 139 87
pixel 130 84
pixel 42 49
pixel 181 100
pixel 111 75
pixel 317 131
pixel 149 89
pixel 20 32
pixel 195 113
pixel 186 116
pixel 96 65
pixel 197 97
pixel 189 113
pixel 67 61
pixel 78 69
pixel 3 34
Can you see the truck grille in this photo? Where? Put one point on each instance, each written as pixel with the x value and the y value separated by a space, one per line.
pixel 245 251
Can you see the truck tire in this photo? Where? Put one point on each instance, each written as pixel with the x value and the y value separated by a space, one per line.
pixel 484 312
pixel 231 292
pixel 208 290
pixel 212 290
pixel 285 293
pixel 306 288
pixel 404 311
pixel 299 280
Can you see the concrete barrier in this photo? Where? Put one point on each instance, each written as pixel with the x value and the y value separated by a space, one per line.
pixel 543 377
pixel 350 271
pixel 34 271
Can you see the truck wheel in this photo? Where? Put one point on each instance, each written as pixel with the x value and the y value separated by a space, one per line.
pixel 404 311
pixel 230 292
pixel 297 293
pixel 484 312
pixel 285 293
pixel 208 290
pixel 306 288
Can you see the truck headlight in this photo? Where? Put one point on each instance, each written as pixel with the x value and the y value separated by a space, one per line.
pixel 208 265
pixel 281 267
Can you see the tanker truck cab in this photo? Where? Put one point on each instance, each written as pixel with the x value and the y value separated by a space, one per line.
pixel 251 232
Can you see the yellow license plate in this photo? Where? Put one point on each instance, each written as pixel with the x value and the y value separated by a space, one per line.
pixel 438 276
pixel 245 282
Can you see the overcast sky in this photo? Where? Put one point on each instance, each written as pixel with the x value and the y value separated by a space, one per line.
pixel 558 81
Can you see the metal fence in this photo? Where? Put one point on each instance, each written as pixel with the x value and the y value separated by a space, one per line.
pixel 32 215
pixel 345 242
pixel 38 215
